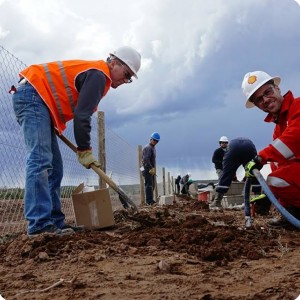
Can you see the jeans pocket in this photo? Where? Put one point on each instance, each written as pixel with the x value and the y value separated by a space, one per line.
pixel 19 101
pixel 23 99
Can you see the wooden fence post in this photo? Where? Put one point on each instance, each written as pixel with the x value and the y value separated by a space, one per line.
pixel 142 184
pixel 101 146
pixel 164 180
pixel 156 187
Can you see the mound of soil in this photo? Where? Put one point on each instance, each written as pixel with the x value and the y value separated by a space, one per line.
pixel 183 251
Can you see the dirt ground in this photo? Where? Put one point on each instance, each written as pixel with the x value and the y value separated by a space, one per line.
pixel 182 251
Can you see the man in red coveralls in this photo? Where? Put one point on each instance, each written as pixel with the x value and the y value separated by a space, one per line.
pixel 262 90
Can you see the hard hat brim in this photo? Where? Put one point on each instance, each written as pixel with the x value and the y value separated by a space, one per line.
pixel 250 104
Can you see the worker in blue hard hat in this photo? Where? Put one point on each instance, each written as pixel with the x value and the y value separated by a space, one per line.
pixel 149 165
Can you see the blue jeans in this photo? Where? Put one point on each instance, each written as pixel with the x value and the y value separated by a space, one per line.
pixel 44 167
pixel 240 152
pixel 149 186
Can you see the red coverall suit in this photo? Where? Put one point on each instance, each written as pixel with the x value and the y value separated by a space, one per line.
pixel 284 153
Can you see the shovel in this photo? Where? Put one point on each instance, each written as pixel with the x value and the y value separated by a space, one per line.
pixel 124 199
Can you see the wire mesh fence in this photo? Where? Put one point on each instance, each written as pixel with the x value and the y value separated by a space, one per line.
pixel 121 159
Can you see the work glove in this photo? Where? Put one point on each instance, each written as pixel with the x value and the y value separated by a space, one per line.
pixel 253 164
pixel 86 158
pixel 152 171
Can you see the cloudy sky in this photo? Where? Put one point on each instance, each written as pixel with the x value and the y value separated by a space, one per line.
pixel 195 54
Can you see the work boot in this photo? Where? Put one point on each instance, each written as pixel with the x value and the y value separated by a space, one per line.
pixel 49 229
pixel 69 228
pixel 216 204
pixel 281 222
pixel 248 222
pixel 295 211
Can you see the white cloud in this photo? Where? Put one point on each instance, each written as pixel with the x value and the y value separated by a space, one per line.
pixel 194 56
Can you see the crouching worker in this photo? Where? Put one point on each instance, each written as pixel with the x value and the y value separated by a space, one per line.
pixel 186 182
pixel 239 152
pixel 262 91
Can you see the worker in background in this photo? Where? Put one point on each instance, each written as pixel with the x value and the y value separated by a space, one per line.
pixel 186 181
pixel 47 97
pixel 240 151
pixel 263 91
pixel 177 184
pixel 149 167
pixel 218 155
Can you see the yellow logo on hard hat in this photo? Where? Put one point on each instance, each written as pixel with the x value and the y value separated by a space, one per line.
pixel 252 79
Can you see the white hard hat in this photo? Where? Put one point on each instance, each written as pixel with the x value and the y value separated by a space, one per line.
pixel 189 174
pixel 130 57
pixel 223 139
pixel 253 81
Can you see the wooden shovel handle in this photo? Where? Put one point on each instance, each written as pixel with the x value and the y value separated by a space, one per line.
pixel 122 195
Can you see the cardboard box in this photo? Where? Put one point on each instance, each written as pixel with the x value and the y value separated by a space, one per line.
pixel 92 209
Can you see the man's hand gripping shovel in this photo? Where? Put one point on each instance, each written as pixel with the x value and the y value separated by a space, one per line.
pixel 124 199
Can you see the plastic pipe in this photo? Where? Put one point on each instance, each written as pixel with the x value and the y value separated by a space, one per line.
pixel 294 221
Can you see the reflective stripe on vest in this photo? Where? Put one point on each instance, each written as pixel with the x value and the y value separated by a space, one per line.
pixel 53 90
pixel 276 181
pixel 223 187
pixel 283 149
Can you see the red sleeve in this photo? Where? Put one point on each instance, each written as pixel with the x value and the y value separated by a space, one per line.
pixel 290 137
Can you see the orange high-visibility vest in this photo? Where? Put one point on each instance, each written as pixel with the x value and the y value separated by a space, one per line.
pixel 55 83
